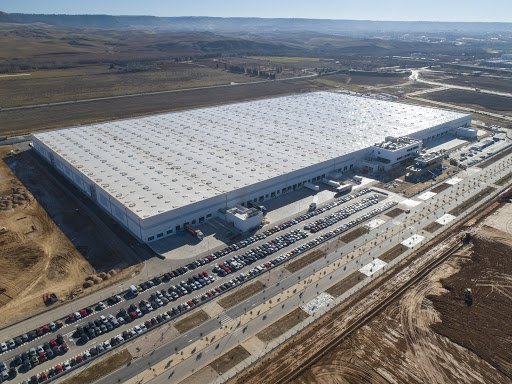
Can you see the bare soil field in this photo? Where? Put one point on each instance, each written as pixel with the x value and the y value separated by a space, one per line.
pixel 476 100
pixel 282 325
pixel 84 83
pixel 241 294
pixel 344 285
pixel 307 259
pixel 36 119
pixel 97 370
pixel 191 321
pixel 229 359
pixel 428 334
pixel 36 256
pixel 502 84
pixel 369 79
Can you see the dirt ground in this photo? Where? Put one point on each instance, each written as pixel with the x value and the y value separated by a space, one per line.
pixel 429 334
pixel 35 255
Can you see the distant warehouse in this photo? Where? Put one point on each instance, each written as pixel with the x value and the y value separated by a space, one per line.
pixel 155 174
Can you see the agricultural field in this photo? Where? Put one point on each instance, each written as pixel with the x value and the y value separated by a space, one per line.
pixel 502 84
pixel 95 82
pixel 56 116
pixel 470 99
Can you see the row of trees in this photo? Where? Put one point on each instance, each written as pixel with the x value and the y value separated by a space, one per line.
pixel 252 71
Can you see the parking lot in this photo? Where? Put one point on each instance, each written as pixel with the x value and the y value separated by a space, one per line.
pixel 120 313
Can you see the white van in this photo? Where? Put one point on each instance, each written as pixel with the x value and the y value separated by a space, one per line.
pixel 134 290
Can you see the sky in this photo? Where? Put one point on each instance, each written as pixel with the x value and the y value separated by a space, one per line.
pixel 396 10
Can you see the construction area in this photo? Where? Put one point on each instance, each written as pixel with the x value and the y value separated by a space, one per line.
pixel 51 248
pixel 450 325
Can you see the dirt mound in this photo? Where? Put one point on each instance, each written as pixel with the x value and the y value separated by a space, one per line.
pixel 17 198
pixel 484 327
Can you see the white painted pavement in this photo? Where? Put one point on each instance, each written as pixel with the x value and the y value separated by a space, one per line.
pixel 372 267
pixel 374 224
pixel 426 195
pixel 317 303
pixel 413 240
pixel 445 219
pixel 410 202
pixel 453 181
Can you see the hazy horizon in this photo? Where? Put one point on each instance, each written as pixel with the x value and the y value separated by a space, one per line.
pixel 372 10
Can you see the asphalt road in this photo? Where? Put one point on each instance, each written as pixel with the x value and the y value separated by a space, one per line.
pixel 398 229
pixel 69 329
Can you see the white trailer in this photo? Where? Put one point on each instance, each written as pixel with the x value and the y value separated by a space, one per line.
pixel 311 186
pixel 331 183
pixel 314 202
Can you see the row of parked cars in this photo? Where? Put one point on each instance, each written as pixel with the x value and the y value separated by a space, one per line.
pixel 341 214
pixel 53 326
pixel 32 335
pixel 34 356
pixel 257 253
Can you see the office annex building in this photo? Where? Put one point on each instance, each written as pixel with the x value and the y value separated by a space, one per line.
pixel 153 174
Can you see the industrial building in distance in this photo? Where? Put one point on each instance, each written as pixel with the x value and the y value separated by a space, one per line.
pixel 157 173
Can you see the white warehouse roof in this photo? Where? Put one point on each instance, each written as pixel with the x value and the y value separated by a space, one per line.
pixel 158 163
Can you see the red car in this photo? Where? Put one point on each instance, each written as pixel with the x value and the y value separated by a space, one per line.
pixel 58 369
pixel 39 331
pixel 83 312
pixel 43 376
pixel 71 318
pixel 79 359
pixel 64 347
pixel 53 343
pixel 42 357
pixel 133 315
pixel 59 324
pixel 205 274
pixel 46 329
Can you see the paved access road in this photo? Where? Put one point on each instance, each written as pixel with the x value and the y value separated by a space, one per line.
pixel 69 329
pixel 368 247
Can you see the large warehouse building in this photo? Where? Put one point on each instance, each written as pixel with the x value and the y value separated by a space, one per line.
pixel 156 173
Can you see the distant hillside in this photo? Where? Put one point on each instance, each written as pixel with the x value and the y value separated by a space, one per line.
pixel 258 25
pixel 5 18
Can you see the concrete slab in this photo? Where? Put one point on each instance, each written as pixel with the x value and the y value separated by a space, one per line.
pixel 445 219
pixel 410 203
pixel 253 345
pixel 453 181
pixel 413 240
pixel 427 195
pixel 317 303
pixel 375 224
pixel 447 145
pixel 372 267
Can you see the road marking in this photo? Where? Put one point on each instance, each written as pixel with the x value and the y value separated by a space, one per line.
pixel 224 319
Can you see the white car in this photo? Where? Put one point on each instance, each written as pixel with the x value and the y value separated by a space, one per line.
pixel 137 329
pixel 3 347
pixel 120 320
pixel 106 344
pixel 101 305
pixel 66 365
pixel 77 315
